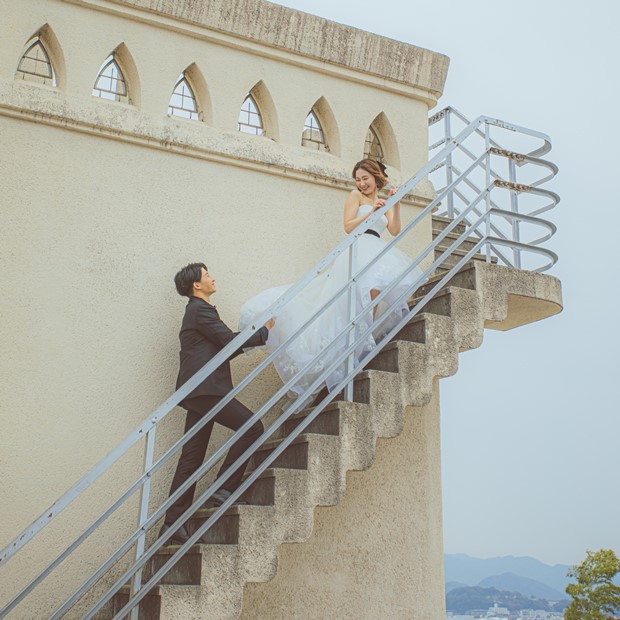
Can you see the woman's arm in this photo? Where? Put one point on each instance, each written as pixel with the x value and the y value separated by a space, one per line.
pixel 393 217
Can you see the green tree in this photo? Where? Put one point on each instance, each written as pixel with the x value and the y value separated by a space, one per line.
pixel 595 596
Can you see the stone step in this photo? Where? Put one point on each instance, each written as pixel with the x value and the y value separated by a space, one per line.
pixel 326 423
pixel 150 606
pixel 460 252
pixel 467 244
pixel 453 259
pixel 463 278
pixel 441 223
pixel 296 455
pixel 441 303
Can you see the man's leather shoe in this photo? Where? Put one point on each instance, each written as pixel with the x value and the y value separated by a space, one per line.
pixel 219 497
pixel 180 537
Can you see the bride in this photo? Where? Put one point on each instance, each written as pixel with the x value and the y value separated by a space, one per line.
pixel 370 177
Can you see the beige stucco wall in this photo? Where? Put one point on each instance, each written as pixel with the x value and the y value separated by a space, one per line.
pixel 101 203
pixel 375 554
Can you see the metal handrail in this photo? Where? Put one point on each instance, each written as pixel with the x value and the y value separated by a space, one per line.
pixel 515 160
pixel 148 427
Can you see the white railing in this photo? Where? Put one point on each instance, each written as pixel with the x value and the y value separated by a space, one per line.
pixel 471 197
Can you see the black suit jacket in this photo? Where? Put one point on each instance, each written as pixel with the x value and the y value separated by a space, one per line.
pixel 203 334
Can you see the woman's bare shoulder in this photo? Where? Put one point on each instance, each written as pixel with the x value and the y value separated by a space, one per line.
pixel 353 200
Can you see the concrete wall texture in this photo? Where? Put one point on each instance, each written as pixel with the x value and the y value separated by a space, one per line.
pixel 102 202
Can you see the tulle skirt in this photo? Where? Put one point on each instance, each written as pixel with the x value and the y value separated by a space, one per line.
pixel 323 330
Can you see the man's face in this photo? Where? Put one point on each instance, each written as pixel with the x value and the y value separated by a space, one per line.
pixel 206 283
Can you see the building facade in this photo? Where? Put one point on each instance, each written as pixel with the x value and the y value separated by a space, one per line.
pixel 138 136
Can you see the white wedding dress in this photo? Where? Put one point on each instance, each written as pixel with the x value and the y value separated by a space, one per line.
pixel 324 329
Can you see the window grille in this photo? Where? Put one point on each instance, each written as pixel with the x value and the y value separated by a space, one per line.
pixel 372 146
pixel 110 83
pixel 183 102
pixel 313 136
pixel 35 64
pixel 250 120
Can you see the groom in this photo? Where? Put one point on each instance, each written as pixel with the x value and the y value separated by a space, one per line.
pixel 203 334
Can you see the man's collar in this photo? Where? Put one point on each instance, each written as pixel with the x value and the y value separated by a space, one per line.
pixel 204 301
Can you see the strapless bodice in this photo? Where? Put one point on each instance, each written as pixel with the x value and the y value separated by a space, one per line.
pixel 380 225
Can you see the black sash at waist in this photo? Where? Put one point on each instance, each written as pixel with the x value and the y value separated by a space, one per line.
pixel 372 232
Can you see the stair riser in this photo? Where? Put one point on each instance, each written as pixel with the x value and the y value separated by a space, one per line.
pixel 187 571
pixel 261 493
pixel 326 423
pixel 451 260
pixel 442 224
pixel 150 607
pixel 413 332
pixel 386 361
pixel 294 457
pixel 225 531
pixel 465 278
pixel 447 241
pixel 440 304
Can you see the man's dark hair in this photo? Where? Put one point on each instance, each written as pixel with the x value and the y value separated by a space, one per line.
pixel 186 278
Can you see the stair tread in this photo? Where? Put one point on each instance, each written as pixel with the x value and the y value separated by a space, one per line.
pixel 435 278
pixel 305 437
pixel 233 510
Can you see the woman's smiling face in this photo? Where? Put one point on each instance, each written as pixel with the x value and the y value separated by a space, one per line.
pixel 365 182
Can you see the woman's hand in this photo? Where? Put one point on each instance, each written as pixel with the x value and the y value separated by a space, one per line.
pixel 378 204
pixel 393 191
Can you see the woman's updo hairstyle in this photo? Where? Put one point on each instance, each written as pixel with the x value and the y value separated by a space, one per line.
pixel 376 168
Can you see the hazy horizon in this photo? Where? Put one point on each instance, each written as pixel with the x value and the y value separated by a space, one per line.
pixel 529 426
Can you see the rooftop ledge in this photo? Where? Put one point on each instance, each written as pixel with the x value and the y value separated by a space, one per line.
pixel 312 36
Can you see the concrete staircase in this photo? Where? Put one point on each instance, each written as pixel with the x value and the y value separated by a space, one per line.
pixel 208 582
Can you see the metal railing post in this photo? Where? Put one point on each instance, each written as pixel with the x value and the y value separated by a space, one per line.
pixel 449 175
pixel 514 207
pixel 487 200
pixel 351 301
pixel 145 494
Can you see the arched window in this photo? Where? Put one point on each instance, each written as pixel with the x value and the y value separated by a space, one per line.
pixel 372 146
pixel 183 101
pixel 250 120
pixel 110 83
pixel 313 136
pixel 35 64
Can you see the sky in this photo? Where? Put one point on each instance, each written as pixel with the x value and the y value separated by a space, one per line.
pixel 531 422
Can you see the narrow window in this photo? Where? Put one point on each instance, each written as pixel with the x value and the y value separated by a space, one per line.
pixel 110 83
pixel 313 136
pixel 250 120
pixel 372 146
pixel 183 102
pixel 35 64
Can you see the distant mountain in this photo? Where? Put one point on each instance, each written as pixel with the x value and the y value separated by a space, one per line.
pixel 523 585
pixel 469 570
pixel 451 585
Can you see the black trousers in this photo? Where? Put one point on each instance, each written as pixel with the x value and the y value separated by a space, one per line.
pixel 233 416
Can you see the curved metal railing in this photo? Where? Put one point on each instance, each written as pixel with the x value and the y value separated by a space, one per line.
pixel 504 227
pixel 491 225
